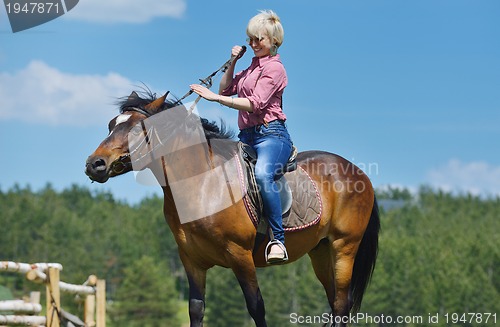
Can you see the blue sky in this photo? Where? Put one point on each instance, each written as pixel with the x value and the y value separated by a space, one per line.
pixel 409 90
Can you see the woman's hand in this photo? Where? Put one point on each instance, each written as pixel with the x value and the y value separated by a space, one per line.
pixel 204 92
pixel 236 51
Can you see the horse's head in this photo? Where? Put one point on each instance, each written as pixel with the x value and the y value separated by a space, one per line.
pixel 112 157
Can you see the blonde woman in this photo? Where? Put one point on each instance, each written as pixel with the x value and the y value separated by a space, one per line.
pixel 261 120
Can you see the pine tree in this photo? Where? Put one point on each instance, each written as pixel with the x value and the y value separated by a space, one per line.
pixel 225 303
pixel 147 296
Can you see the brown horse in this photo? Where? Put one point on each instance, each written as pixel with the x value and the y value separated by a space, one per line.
pixel 342 246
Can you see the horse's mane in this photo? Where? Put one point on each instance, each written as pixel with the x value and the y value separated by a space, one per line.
pixel 140 99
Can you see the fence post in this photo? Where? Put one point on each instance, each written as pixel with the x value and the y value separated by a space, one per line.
pixel 53 298
pixel 101 303
pixel 49 274
pixel 35 297
pixel 89 310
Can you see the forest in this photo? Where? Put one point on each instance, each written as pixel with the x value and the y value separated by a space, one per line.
pixel 438 262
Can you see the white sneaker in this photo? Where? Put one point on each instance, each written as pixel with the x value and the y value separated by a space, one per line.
pixel 277 253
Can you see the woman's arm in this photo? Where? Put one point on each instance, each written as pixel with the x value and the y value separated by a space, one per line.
pixel 227 78
pixel 236 103
pixel 242 104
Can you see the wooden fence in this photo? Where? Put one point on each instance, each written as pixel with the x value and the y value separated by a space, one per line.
pixel 93 289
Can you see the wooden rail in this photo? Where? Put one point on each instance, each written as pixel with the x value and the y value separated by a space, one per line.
pixel 94 290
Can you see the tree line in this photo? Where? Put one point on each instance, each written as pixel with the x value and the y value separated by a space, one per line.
pixel 439 254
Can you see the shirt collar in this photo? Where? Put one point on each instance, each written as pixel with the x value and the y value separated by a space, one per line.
pixel 261 61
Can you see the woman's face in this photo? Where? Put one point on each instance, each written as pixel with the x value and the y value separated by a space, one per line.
pixel 261 46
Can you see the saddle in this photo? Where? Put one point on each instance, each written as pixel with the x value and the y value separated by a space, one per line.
pixel 300 199
pixel 249 156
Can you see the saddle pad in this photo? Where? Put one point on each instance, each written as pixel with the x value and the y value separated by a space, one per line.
pixel 306 204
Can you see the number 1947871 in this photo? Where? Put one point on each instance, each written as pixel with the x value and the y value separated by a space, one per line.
pixel 469 318
pixel 33 8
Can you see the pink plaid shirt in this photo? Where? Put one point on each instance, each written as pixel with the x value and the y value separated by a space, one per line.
pixel 262 83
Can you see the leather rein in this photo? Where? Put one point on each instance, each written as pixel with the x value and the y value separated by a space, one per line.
pixel 124 162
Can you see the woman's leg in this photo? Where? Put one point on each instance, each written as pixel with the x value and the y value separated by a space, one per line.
pixel 272 155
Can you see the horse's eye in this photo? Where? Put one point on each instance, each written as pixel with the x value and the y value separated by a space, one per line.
pixel 136 130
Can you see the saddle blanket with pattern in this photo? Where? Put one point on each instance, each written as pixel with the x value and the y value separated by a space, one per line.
pixel 306 205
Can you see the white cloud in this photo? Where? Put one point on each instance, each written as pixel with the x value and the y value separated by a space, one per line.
pixel 126 11
pixel 44 95
pixel 477 178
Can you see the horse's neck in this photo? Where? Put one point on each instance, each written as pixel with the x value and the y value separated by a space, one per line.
pixel 197 182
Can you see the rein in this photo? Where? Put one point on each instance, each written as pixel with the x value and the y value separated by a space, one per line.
pixel 124 162
pixel 208 80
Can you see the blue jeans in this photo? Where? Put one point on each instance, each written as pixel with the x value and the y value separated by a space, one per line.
pixel 273 146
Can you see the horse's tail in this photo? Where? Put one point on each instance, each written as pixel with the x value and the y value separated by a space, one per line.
pixel 366 257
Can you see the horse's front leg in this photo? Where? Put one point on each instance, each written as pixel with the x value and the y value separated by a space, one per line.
pixel 197 281
pixel 197 278
pixel 244 269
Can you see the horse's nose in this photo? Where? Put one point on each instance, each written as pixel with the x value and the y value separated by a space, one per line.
pixel 99 165
pixel 96 168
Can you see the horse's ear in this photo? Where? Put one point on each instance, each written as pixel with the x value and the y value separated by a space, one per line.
pixel 156 104
pixel 133 96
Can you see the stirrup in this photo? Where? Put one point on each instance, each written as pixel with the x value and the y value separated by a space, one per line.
pixel 276 260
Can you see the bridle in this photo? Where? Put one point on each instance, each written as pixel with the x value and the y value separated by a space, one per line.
pixel 124 162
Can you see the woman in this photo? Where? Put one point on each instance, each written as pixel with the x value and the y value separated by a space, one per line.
pixel 260 118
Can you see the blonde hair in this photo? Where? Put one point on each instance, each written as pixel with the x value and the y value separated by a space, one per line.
pixel 268 23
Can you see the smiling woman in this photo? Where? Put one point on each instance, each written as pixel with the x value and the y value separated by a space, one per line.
pixel 261 119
